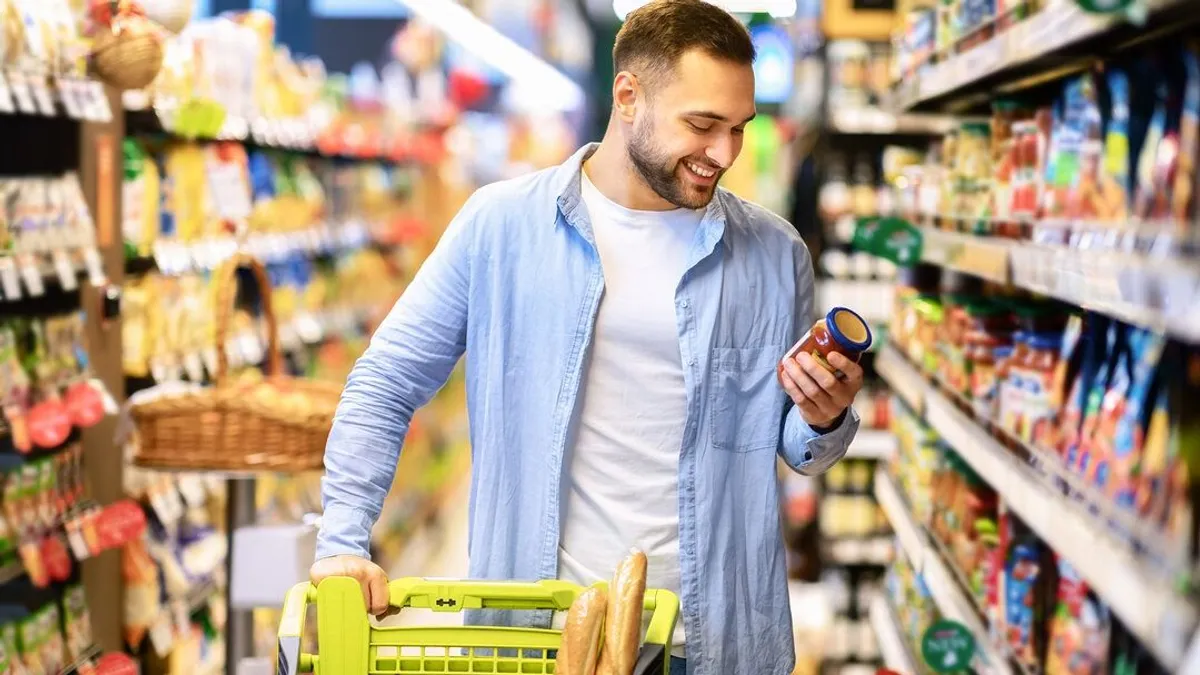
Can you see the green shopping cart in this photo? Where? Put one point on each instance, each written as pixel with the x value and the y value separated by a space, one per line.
pixel 349 645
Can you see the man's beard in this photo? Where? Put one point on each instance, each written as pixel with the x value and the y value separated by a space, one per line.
pixel 657 170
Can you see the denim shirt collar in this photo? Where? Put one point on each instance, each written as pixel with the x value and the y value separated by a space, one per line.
pixel 567 184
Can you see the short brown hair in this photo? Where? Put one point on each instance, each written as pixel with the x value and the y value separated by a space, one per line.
pixel 655 36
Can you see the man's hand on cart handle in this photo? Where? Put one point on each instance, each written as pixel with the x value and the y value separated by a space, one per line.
pixel 371 577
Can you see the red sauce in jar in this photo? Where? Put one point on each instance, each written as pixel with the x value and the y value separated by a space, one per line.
pixel 842 331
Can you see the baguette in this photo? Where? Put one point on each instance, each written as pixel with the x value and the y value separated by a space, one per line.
pixel 580 649
pixel 623 626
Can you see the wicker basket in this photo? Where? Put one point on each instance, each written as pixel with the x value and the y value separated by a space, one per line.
pixel 128 54
pixel 279 423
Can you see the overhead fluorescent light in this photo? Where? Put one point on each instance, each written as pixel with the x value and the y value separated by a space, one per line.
pixel 521 66
pixel 780 9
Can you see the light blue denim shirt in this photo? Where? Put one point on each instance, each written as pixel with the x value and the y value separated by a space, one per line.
pixel 515 283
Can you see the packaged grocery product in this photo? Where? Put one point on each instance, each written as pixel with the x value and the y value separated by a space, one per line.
pixel 1086 391
pixel 1105 408
pixel 842 331
pixel 1030 585
pixel 953 366
pixel 1133 415
pixel 1037 378
pixel 1011 388
pixel 1159 156
pixel 923 350
pixel 1167 466
pixel 1187 173
pixel 1080 630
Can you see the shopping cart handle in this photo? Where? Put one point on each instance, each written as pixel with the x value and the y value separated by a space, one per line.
pixel 664 608
pixel 290 660
pixel 456 596
pixel 652 660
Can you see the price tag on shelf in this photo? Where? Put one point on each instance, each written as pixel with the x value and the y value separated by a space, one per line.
pixel 31 274
pixel 193 365
pixel 65 269
pixel 21 92
pixel 98 107
pixel 76 540
pixel 162 634
pixel 68 93
pixel 210 360
pixel 159 370
pixel 94 267
pixel 251 348
pixel 191 488
pixel 43 98
pixel 10 281
pixel 7 105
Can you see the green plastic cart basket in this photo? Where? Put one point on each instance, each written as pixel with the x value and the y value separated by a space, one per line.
pixel 349 645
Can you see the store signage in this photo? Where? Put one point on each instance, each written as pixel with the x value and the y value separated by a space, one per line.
pixel 948 647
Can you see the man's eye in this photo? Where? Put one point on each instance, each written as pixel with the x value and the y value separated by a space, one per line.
pixel 737 131
pixel 699 129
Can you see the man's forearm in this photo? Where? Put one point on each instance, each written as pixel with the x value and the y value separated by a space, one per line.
pixel 361 455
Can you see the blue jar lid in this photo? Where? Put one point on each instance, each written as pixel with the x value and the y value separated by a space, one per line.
pixel 848 329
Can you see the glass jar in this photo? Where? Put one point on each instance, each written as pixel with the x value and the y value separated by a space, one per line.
pixel 842 331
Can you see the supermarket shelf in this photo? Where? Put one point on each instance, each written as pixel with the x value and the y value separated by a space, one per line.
pixel 1157 292
pixel 904 380
pixel 977 256
pixel 952 602
pixel 861 551
pixel 872 444
pixel 897 655
pixel 879 122
pixel 1147 602
pixel 1043 42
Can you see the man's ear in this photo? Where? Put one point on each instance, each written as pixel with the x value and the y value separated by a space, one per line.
pixel 626 92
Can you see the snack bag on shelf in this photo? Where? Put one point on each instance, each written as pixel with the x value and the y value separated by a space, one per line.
pixel 1106 409
pixel 1187 173
pixel 1171 454
pixel 1129 461
pixel 142 592
pixel 1029 596
pixel 1115 196
pixel 1066 370
pixel 77 622
pixel 29 641
pixel 1081 629
pixel 1159 156
pixel 188 198
pixel 227 170
pixel 1084 403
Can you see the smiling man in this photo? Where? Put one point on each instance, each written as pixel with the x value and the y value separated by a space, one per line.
pixel 623 316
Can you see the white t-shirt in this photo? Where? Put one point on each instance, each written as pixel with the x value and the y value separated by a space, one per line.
pixel 622 470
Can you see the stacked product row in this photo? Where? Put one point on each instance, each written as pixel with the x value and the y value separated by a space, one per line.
pixel 1035 607
pixel 1056 418
pixel 1108 158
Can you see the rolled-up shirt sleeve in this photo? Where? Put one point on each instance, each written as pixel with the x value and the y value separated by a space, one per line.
pixel 410 357
pixel 803 448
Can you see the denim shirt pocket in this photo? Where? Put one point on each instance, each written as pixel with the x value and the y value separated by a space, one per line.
pixel 746 399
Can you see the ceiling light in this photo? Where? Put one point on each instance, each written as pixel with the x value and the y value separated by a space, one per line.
pixel 520 65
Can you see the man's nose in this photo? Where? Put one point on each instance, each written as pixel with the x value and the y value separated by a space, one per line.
pixel 721 152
